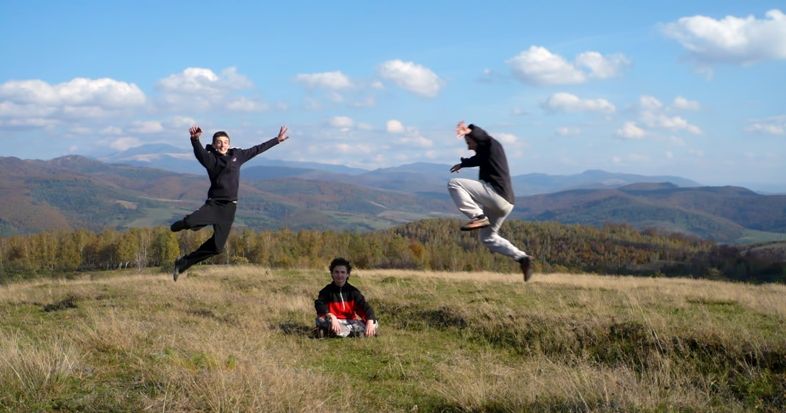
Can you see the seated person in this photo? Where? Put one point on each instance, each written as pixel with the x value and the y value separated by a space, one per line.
pixel 341 308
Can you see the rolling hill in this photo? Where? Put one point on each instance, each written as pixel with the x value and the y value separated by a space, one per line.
pixel 74 191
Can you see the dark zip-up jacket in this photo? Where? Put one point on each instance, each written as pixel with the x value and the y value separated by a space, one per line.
pixel 224 170
pixel 493 163
pixel 343 302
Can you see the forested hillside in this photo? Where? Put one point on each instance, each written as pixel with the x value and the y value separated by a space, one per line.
pixel 435 244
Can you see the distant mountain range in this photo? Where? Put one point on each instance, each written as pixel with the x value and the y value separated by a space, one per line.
pixel 75 191
pixel 414 177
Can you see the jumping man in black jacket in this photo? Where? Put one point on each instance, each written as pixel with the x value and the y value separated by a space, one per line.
pixel 223 168
pixel 488 201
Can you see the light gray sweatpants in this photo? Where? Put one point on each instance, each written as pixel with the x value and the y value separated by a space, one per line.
pixel 356 328
pixel 474 198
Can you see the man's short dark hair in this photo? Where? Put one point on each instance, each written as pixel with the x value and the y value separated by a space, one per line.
pixel 340 261
pixel 219 134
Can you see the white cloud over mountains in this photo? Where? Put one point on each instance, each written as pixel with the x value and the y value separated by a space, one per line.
pixel 411 76
pixel 731 39
pixel 537 65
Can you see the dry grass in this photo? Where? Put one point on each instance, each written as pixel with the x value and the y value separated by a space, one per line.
pixel 237 339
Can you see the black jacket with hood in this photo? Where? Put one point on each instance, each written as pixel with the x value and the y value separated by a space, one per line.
pixel 493 163
pixel 224 170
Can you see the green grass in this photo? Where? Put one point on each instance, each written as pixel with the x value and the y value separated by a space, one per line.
pixel 238 338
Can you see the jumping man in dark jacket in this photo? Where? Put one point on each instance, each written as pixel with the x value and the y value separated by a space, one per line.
pixel 223 169
pixel 488 201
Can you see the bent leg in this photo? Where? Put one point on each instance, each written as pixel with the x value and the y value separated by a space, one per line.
pixel 467 194
pixel 497 212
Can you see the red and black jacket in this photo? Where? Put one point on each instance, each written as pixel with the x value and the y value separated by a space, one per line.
pixel 343 302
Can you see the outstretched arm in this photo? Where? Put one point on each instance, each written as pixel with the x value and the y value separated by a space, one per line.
pixel 262 147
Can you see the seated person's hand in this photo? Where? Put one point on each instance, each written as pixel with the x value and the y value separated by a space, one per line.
pixel 371 328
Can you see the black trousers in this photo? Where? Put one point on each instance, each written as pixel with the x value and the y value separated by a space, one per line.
pixel 219 214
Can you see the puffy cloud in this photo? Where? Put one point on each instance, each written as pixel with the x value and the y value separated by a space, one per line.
pixel 674 123
pixel 412 77
pixel 649 103
pixel 630 131
pixel 566 102
pixel 537 65
pixel 104 92
pixel 121 144
pixel 30 104
pixel 344 123
pixel 201 87
pixel 507 138
pixel 328 80
pixel 682 103
pixel 602 67
pixel 731 39
pixel 147 127
pixel 394 126
pixel 775 125
pixel 244 104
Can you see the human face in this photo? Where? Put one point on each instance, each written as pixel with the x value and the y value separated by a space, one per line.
pixel 471 144
pixel 221 144
pixel 339 275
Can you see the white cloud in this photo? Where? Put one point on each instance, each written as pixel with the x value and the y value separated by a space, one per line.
pixel 412 77
pixel 344 123
pixel 775 125
pixel 602 67
pixel 685 104
pixel 630 131
pixel 413 137
pixel 122 144
pixel 506 138
pixel 649 103
pixel 328 80
pixel 201 87
pixel 659 120
pixel 104 92
pixel 394 126
pixel 566 102
pixel 244 104
pixel 731 39
pixel 147 127
pixel 537 65
pixel 567 131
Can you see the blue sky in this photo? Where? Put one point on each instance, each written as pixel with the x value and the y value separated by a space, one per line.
pixel 694 89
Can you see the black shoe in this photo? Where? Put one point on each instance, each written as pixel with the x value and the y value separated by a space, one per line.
pixel 526 267
pixel 178 226
pixel 178 268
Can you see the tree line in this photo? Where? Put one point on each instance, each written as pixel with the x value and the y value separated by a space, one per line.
pixel 433 244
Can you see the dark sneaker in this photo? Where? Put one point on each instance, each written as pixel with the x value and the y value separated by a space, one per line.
pixel 526 268
pixel 178 269
pixel 178 226
pixel 476 223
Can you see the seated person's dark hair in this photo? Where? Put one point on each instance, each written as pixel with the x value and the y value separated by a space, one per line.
pixel 340 261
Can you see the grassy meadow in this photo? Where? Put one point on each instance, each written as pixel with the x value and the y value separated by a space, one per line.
pixel 238 338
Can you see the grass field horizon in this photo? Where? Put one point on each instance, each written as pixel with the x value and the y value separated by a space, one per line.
pixel 238 338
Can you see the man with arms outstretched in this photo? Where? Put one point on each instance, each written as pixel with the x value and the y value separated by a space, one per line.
pixel 223 169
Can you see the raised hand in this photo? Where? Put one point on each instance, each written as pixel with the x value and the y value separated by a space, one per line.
pixel 462 129
pixel 195 131
pixel 282 134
